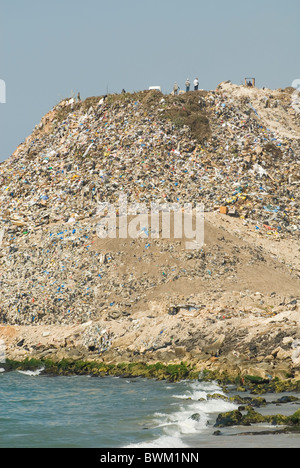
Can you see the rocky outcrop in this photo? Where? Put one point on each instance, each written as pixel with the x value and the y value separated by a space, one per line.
pixel 236 418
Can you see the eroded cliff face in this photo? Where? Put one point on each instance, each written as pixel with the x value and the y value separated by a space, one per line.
pixel 219 338
pixel 235 150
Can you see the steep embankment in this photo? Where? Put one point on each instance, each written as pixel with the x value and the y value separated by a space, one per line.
pixel 232 303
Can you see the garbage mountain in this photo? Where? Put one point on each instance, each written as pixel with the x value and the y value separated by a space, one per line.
pixel 235 150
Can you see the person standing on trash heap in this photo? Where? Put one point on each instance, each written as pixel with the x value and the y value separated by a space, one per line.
pixel 175 89
pixel 187 85
pixel 196 84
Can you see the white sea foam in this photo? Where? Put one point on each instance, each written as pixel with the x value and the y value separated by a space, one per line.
pixel 164 441
pixel 190 416
pixel 32 373
pixel 2 370
pixel 197 391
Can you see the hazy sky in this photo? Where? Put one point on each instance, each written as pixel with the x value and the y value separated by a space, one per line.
pixel 51 49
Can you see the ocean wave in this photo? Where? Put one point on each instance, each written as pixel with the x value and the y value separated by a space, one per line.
pixel 164 441
pixel 32 373
pixel 190 416
pixel 199 390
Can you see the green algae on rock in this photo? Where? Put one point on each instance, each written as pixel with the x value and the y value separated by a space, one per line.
pixel 158 370
pixel 170 372
pixel 236 418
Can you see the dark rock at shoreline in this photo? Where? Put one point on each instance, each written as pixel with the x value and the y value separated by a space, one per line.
pixel 236 418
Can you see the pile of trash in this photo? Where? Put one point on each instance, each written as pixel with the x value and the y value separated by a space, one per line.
pixel 233 148
pixel 85 152
pixel 96 338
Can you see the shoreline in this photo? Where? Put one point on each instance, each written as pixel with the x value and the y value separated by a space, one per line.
pixel 250 395
pixel 235 338
pixel 172 372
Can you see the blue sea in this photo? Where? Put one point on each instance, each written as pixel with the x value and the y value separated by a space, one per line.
pixel 38 411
